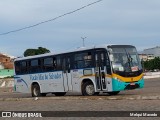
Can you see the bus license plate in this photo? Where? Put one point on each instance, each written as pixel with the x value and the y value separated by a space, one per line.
pixel 132 83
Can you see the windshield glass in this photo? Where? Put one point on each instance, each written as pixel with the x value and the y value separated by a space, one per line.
pixel 125 60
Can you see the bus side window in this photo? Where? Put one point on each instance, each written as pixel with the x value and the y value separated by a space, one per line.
pixel 35 66
pixel 103 61
pixel 83 60
pixel 48 64
pixel 78 61
pixel 54 64
pixel 23 67
pixel 88 60
pixel 68 65
pixel 58 63
pixel 17 68
pixel 108 66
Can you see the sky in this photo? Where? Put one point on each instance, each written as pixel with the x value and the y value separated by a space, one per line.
pixel 134 22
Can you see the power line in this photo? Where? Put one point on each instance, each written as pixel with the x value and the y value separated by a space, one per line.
pixel 34 25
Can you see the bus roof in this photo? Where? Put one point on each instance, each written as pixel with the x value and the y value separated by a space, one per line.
pixel 76 50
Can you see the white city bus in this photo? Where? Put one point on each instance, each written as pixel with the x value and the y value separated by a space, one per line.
pixel 108 68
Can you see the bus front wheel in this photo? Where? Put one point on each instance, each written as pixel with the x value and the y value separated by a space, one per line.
pixel 88 89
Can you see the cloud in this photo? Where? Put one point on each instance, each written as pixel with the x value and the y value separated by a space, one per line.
pixel 110 21
pixel 29 11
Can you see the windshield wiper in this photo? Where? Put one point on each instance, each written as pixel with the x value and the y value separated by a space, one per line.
pixel 129 59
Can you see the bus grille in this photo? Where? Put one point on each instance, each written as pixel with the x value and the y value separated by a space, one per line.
pixel 130 87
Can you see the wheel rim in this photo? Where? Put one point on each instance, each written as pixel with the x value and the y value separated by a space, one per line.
pixel 90 89
pixel 35 92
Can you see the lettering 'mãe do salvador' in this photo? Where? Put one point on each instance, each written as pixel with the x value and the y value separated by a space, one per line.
pixel 54 76
pixel 46 76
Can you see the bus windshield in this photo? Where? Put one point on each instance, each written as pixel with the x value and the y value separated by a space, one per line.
pixel 125 60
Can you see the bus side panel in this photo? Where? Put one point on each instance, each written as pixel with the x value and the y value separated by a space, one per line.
pixel 21 84
pixel 49 82
pixel 76 79
pixel 109 84
pixel 57 82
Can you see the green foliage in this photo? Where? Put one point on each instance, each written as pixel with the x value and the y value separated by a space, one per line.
pixel 152 64
pixel 10 76
pixel 31 52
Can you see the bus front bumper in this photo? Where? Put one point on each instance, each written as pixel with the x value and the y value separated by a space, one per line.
pixel 118 85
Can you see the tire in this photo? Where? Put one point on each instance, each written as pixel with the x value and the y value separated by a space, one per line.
pixel 60 93
pixel 36 90
pixel 113 93
pixel 88 89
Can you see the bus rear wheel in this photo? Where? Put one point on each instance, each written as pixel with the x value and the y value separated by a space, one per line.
pixel 88 89
pixel 36 90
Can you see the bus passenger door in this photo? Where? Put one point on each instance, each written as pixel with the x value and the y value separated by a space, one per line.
pixel 67 79
pixel 100 70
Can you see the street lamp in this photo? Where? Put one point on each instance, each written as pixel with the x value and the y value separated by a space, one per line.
pixel 83 38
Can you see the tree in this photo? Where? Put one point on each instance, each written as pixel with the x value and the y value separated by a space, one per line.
pixel 152 64
pixel 31 52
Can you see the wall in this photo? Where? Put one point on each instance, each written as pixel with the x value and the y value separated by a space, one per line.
pixel 6 73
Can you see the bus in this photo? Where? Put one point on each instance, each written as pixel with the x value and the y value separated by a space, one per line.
pixel 89 71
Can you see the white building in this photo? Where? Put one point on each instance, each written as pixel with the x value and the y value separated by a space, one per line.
pixel 146 57
pixel 155 51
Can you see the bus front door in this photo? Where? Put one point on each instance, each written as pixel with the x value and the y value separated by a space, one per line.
pixel 100 70
pixel 67 79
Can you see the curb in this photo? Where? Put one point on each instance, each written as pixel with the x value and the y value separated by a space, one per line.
pixel 85 98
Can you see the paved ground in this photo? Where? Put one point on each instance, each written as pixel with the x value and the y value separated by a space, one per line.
pixel 151 88
pixel 84 105
pixel 81 105
pixel 73 102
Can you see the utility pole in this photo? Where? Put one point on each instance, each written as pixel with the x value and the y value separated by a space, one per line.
pixel 83 38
